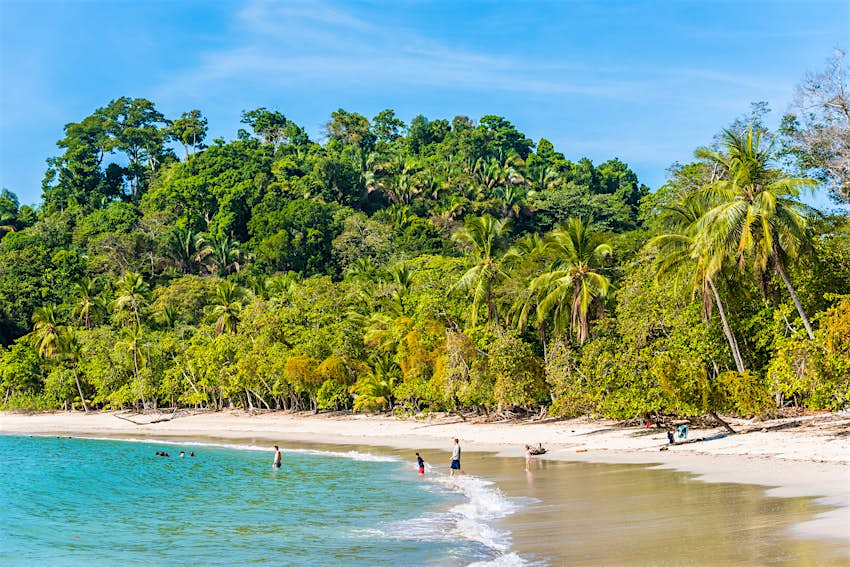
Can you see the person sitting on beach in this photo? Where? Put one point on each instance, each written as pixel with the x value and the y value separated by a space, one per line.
pixel 683 432
pixel 276 462
pixel 455 464
pixel 421 462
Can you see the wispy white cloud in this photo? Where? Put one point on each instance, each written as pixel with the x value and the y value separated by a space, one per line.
pixel 281 44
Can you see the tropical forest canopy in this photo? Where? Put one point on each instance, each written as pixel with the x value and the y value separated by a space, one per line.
pixel 440 265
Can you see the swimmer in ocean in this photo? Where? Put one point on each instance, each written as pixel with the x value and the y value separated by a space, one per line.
pixel 276 462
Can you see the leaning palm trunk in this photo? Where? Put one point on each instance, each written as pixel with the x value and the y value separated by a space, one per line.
pixel 80 390
pixel 733 344
pixel 777 261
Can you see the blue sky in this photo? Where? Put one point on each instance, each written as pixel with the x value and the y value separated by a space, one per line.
pixel 643 81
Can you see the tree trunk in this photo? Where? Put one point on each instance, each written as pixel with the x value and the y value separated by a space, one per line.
pixel 541 336
pixel 80 390
pixel 723 423
pixel 777 261
pixel 733 344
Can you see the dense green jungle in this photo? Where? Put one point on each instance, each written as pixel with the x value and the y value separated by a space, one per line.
pixel 436 266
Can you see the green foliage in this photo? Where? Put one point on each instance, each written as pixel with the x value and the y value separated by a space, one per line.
pixel 517 372
pixel 333 396
pixel 816 373
pixel 436 266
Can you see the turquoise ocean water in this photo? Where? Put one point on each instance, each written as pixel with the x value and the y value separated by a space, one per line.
pixel 106 502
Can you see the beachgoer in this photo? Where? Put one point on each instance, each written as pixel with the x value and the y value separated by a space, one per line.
pixel 276 462
pixel 191 453
pixel 670 437
pixel 527 458
pixel 158 454
pixel 182 454
pixel 683 432
pixel 421 462
pixel 455 464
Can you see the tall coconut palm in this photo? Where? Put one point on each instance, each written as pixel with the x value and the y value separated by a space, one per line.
pixel 756 213
pixel 46 332
pixel 54 342
pixel 71 351
pixel 484 237
pixel 228 307
pixel 572 281
pixel 89 303
pixel 132 338
pixel 678 253
pixel 130 295
pixel 525 260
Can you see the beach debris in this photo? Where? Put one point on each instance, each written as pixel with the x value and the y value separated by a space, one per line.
pixel 167 417
pixel 539 450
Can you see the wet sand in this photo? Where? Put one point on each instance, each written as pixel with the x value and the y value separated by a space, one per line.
pixel 579 513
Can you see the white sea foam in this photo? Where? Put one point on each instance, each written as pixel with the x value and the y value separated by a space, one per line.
pixel 471 520
pixel 507 560
pixel 485 503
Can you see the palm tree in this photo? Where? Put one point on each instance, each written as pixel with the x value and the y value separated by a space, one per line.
pixel 225 256
pixel 677 252
pixel 131 290
pixel 228 308
pixel 572 281
pixel 279 288
pixel 188 249
pixel 525 259
pixel 45 335
pixel 54 342
pixel 88 303
pixel 169 316
pixel 8 212
pixel 375 390
pixel 543 177
pixel 511 199
pixel 403 187
pixel 756 212
pixel 71 351
pixel 362 270
pixel 484 237
pixel 133 339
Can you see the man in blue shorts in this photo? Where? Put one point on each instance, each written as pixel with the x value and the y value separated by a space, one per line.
pixel 455 466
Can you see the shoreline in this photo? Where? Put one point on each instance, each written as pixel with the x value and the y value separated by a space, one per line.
pixel 808 460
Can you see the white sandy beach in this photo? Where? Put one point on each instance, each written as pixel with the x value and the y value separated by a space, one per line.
pixel 809 457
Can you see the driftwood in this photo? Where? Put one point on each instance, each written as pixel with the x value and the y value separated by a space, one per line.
pixel 697 440
pixel 168 418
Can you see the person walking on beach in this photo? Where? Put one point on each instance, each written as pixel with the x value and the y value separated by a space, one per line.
pixel 421 462
pixel 455 465
pixel 276 463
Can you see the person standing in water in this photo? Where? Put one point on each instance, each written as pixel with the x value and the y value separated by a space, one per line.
pixel 276 463
pixel 455 465
pixel 527 458
pixel 421 462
